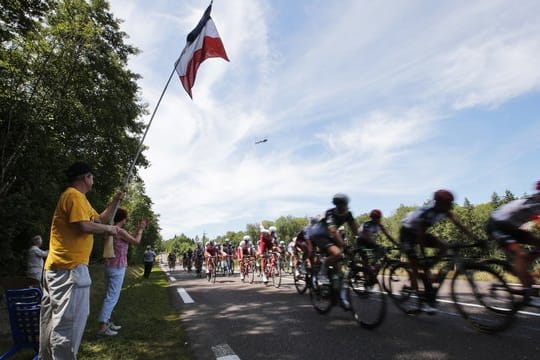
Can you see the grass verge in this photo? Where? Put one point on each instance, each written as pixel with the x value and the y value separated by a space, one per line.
pixel 151 325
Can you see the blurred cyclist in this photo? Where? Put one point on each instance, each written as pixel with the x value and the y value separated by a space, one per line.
pixel 506 227
pixel 414 229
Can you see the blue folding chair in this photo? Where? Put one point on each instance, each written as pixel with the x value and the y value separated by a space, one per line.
pixel 23 307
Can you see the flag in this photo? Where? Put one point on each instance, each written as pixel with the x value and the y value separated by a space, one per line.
pixel 202 43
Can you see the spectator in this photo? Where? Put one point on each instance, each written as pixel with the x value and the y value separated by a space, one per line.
pixel 66 281
pixel 149 256
pixel 115 269
pixel 35 259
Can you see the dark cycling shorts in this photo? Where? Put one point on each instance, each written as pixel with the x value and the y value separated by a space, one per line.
pixel 507 234
pixel 407 238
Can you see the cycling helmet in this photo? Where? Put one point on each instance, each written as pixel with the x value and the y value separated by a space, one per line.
pixel 272 229
pixel 443 196
pixel 212 242
pixel 313 220
pixel 265 231
pixel 246 238
pixel 282 243
pixel 375 214
pixel 340 199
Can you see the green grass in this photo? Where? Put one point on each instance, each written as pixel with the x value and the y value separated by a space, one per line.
pixel 151 326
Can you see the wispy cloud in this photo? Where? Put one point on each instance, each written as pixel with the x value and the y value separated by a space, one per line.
pixel 353 96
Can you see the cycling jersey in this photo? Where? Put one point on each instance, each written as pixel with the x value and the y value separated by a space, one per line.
pixel 372 227
pixel 320 234
pixel 517 212
pixel 265 243
pixel 423 217
pixel 211 250
pixel 291 247
pixel 244 249
pixel 505 222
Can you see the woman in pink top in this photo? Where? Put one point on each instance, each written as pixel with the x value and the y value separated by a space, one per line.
pixel 115 269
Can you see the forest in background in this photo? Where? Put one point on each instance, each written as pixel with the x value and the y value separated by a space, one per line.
pixel 66 95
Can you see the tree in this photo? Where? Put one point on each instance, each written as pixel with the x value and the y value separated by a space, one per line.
pixel 66 95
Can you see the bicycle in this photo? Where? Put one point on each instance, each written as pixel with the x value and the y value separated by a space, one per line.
pixel 303 280
pixel 211 273
pixel 479 293
pixel 505 268
pixel 198 266
pixel 379 260
pixel 272 269
pixel 247 268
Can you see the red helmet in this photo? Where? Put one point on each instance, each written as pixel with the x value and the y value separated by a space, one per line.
pixel 375 214
pixel 444 196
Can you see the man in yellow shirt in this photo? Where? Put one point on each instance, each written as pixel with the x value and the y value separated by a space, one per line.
pixel 66 280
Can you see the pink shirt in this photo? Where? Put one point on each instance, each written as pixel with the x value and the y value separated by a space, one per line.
pixel 120 254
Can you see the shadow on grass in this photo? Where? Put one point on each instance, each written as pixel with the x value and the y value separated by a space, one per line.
pixel 151 326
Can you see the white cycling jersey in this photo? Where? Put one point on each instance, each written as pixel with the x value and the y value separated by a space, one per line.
pixel 423 217
pixel 517 212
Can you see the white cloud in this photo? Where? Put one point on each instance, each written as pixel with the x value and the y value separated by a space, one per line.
pixel 352 97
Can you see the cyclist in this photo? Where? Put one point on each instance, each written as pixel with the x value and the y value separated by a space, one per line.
pixel 413 232
pixel 172 260
pixel 290 254
pixel 198 256
pixel 210 250
pixel 245 249
pixel 505 226
pixel 326 237
pixel 274 235
pixel 188 259
pixel 265 245
pixel 368 232
pixel 304 245
pixel 226 255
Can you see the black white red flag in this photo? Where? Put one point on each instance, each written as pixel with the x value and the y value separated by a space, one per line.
pixel 202 43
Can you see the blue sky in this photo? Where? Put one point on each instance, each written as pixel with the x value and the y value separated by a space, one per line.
pixel 386 101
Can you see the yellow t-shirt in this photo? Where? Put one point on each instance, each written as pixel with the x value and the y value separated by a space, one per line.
pixel 69 246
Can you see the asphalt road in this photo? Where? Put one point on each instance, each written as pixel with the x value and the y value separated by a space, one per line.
pixel 231 320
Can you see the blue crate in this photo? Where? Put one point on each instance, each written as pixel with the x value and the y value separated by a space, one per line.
pixel 23 306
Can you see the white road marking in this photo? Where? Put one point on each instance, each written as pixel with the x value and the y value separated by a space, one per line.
pixel 171 278
pixel 224 352
pixel 185 296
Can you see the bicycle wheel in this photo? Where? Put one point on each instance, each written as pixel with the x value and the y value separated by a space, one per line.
pixel 401 291
pixel 368 302
pixel 209 273
pixel 384 274
pixel 321 297
pixel 251 272
pixel 300 281
pixel 214 274
pixel 483 298
pixel 276 276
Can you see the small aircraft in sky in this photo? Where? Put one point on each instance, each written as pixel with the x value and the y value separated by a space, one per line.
pixel 261 141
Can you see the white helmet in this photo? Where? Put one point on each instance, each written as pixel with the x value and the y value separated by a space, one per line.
pixel 282 243
pixel 272 229
pixel 246 238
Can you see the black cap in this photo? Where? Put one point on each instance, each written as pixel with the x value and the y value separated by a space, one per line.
pixel 77 169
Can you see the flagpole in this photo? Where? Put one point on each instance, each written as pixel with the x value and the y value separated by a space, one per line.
pixel 108 250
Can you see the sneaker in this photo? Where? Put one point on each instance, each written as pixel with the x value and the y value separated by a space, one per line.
pixel 296 273
pixel 264 279
pixel 114 327
pixel 241 276
pixel 207 271
pixel 107 332
pixel 428 309
pixel 323 279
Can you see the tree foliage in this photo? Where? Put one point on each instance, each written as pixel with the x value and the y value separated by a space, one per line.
pixel 66 95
